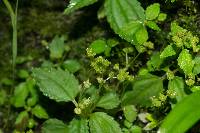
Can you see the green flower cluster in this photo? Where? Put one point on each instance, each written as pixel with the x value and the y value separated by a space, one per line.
pixel 161 99
pixel 183 37
pixel 124 75
pixel 100 64
pixel 158 102
pixel 82 105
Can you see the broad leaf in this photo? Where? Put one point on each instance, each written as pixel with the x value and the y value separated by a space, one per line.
pixel 195 88
pixel 22 120
pixel 40 112
pixel 144 88
pixel 56 84
pixel 71 65
pixel 136 129
pixel 155 62
pixel 130 112
pixel 153 25
pixel 54 126
pixel 57 47
pixel 134 32
pixel 168 51
pixel 20 95
pixel 102 123
pixel 109 101
pixel 77 4
pixel 78 126
pixel 162 17
pixel 21 117
pixel 177 85
pixel 152 11
pixel 183 116
pixel 98 46
pixel 185 62
pixel 126 18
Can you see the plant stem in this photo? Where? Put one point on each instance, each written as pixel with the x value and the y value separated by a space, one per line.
pixel 13 16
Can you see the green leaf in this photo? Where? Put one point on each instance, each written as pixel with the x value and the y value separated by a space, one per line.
pixel 177 85
pixel 130 113
pixel 183 116
pixel 22 120
pixel 141 35
pixel 155 62
pixel 54 126
pixel 168 51
pixel 162 17
pixel 23 74
pixel 152 11
pixel 32 101
pixel 71 65
pixel 109 101
pixel 33 98
pixel 77 4
pixel 56 84
pixel 144 88
pixel 136 129
pixel 112 42
pixel 126 18
pixel 196 69
pixel 98 46
pixel 20 95
pixel 78 126
pixel 185 62
pixel 57 47
pixel 134 32
pixel 195 88
pixel 153 25
pixel 39 112
pixel 102 123
pixel 21 117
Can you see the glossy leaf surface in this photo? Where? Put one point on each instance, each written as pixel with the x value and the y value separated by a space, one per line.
pixel 78 126
pixel 102 123
pixel 77 4
pixel 56 84
pixel 109 101
pixel 54 126
pixel 144 88
pixel 185 114
pixel 126 18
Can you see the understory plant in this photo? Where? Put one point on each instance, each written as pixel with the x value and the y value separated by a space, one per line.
pixel 133 81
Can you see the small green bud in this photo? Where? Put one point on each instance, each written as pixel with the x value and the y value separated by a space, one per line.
pixel 190 82
pixel 162 97
pixel 130 78
pixel 156 102
pixel 123 75
pixel 87 101
pixel 171 93
pixel 86 84
pixel 100 80
pixel 111 74
pixel 116 67
pixel 90 53
pixel 170 74
pixel 77 111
